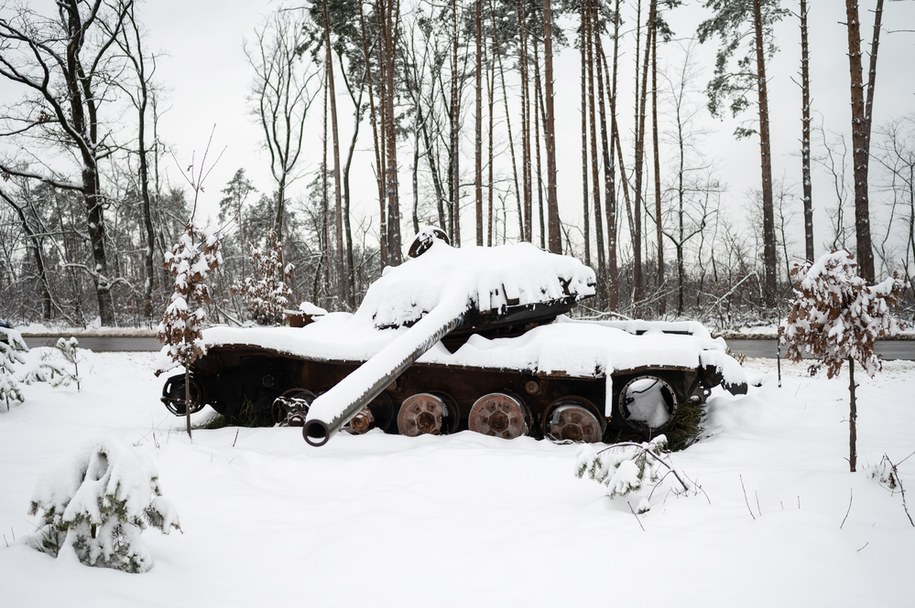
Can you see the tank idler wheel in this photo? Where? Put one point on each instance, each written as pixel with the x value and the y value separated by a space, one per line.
pixel 421 414
pixel 173 395
pixel 572 421
pixel 499 415
pixel 290 408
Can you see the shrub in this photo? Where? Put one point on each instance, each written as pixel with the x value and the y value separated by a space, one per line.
pixel 98 505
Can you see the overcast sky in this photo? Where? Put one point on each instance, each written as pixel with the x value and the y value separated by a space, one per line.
pixel 207 78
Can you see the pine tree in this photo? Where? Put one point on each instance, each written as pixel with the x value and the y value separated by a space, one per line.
pixel 11 347
pixel 100 506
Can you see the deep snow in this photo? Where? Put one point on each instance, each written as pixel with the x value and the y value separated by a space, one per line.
pixel 470 520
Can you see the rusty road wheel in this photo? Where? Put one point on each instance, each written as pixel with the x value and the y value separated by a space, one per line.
pixel 571 420
pixel 421 414
pixel 499 415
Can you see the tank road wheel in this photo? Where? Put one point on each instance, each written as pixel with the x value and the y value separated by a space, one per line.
pixel 647 402
pixel 499 415
pixel 571 420
pixel 361 422
pixel 421 414
pixel 290 408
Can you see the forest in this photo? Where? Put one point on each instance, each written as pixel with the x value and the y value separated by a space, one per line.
pixel 417 113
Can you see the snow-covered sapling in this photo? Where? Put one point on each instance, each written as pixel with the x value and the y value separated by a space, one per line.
pixel 68 349
pixel 195 255
pixel 836 318
pixel 11 348
pixel 628 468
pixel 97 506
pixel 267 293
pixel 50 371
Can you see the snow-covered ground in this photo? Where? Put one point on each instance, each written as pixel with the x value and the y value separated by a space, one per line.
pixel 468 520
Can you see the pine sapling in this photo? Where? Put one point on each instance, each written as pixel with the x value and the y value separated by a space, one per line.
pixel 627 468
pixel 836 318
pixel 190 261
pixel 11 348
pixel 98 505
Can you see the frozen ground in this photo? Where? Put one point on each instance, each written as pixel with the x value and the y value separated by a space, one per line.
pixel 467 520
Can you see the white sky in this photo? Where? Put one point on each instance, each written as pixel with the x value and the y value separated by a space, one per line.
pixel 207 78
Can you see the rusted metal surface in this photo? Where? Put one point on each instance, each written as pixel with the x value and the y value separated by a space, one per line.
pixel 421 414
pixel 500 415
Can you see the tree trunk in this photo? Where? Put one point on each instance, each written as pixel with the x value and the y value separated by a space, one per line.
pixel 454 170
pixel 538 117
pixel 526 205
pixel 552 202
pixel 392 13
pixel 852 417
pixel 588 22
pixel 638 169
pixel 805 136
pixel 656 154
pixel 583 43
pixel 859 124
pixel 765 155
pixel 339 262
pixel 478 131
pixel 380 172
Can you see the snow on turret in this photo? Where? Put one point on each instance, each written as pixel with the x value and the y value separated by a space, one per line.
pixel 485 278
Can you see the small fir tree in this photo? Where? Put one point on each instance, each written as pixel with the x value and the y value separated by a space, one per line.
pixel 836 317
pixel 50 371
pixel 190 261
pixel 630 468
pixel 267 293
pixel 98 506
pixel 11 348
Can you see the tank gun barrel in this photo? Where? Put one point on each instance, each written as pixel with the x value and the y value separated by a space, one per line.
pixel 332 410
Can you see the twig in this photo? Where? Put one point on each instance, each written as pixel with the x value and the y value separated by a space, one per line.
pixel 851 496
pixel 863 546
pixel 758 508
pixel 745 499
pixel 236 437
pixel 634 514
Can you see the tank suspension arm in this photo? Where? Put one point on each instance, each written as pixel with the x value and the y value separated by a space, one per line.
pixel 336 407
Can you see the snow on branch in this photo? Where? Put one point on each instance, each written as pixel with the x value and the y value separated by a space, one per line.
pixel 190 261
pixel 11 348
pixel 97 505
pixel 836 316
pixel 267 293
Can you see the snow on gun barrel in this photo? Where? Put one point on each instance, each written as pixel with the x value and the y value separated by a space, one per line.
pixel 470 338
pixel 440 290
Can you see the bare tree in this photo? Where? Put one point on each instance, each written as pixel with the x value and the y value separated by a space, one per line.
pixel 281 95
pixel 64 66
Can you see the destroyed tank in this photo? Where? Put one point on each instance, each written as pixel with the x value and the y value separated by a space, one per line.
pixel 469 338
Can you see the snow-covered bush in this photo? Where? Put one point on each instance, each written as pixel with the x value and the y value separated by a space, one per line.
pixel 69 349
pixel 50 371
pixel 11 348
pixel 628 468
pixel 267 293
pixel 836 318
pixel 195 255
pixel 98 504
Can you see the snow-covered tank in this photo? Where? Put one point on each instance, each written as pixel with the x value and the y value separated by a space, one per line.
pixel 462 338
